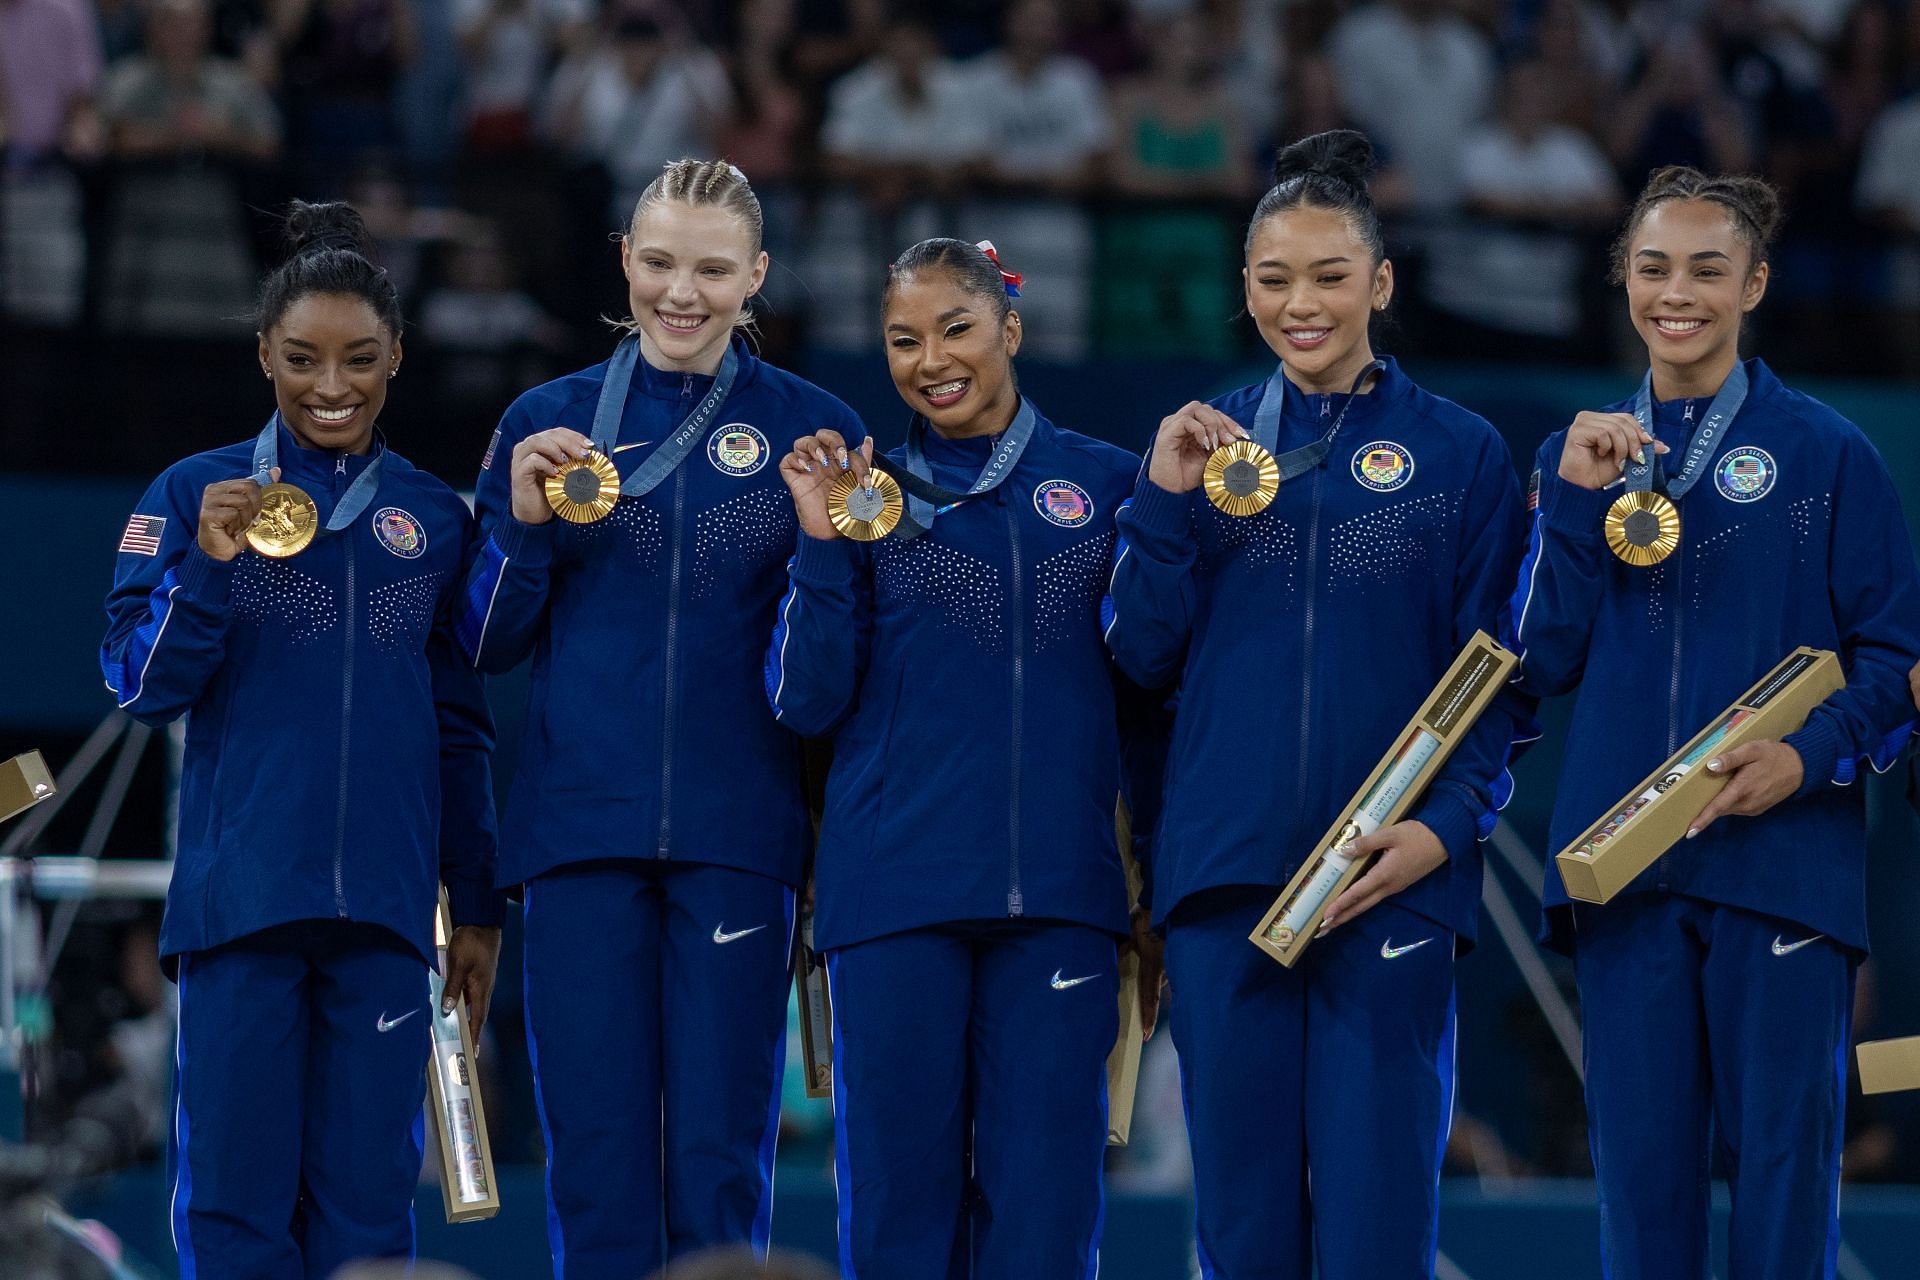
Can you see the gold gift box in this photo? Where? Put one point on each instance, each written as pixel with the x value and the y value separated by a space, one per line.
pixel 1889 1066
pixel 468 1185
pixel 1123 1060
pixel 24 782
pixel 816 1013
pixel 1655 815
pixel 1390 791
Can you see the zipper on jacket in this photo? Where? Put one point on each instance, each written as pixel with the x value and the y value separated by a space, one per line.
pixel 673 641
pixel 1306 630
pixel 1016 902
pixel 346 708
pixel 1673 681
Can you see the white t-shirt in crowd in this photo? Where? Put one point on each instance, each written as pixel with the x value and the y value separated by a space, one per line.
pixel 1521 280
pixel 1052 121
pixel 870 118
pixel 1419 87
pixel 507 72
pixel 634 130
pixel 1890 163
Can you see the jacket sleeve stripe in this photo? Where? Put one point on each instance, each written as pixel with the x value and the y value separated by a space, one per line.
pixel 1109 613
pixel 122 676
pixel 776 674
pixel 484 585
pixel 1523 596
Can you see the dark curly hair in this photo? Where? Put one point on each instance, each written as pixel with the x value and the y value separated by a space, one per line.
pixel 328 252
pixel 1325 171
pixel 1752 205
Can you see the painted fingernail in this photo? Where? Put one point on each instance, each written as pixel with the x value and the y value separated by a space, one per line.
pixel 1715 765
pixel 1692 832
pixel 1640 455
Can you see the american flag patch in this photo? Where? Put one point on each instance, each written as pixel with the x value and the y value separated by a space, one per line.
pixel 1533 492
pixel 142 537
pixel 486 463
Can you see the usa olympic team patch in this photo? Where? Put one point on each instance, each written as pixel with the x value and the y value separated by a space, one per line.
pixel 399 532
pixel 1063 502
pixel 1745 474
pixel 1382 466
pixel 738 449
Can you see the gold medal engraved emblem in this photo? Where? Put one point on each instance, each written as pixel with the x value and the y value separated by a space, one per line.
pixel 1643 528
pixel 862 513
pixel 1241 478
pixel 286 523
pixel 584 490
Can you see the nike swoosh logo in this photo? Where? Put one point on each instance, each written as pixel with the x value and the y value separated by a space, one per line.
pixel 1061 984
pixel 1388 951
pixel 637 444
pixel 721 936
pixel 381 1023
pixel 1788 948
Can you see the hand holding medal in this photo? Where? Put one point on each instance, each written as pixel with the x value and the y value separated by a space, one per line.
pixel 838 491
pixel 559 472
pixel 1193 445
pixel 228 511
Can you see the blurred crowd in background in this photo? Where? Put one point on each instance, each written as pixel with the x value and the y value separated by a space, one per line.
pixel 1111 147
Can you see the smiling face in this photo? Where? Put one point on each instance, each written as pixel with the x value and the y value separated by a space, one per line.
pixel 330 357
pixel 1312 285
pixel 1690 280
pixel 951 354
pixel 690 269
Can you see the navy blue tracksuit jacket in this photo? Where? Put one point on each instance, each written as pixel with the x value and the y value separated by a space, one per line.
pixel 1717 990
pixel 657 821
pixel 969 892
pixel 335 774
pixel 1304 638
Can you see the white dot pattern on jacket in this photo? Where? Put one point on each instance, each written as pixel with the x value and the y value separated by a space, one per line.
pixel 1803 515
pixel 966 592
pixel 1390 544
pixel 637 524
pixel 1069 585
pixel 400 614
pixel 269 591
pixel 754 527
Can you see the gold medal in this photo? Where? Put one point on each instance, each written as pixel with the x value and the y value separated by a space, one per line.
pixel 583 490
pixel 286 523
pixel 1241 478
pixel 1643 528
pixel 865 512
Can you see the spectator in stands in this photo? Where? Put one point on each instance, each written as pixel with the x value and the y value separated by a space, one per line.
pixel 649 98
pixel 1584 56
pixel 1541 184
pixel 49 73
pixel 1888 199
pixel 1677 110
pixel 342 60
pixel 510 46
pixel 179 255
pixel 1177 133
pixel 492 337
pixel 179 101
pixel 1417 77
pixel 1043 111
pixel 767 133
pixel 904 124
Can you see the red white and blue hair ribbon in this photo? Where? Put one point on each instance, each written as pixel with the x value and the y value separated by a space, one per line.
pixel 1011 279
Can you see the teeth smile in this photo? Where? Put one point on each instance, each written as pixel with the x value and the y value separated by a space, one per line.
pixel 1306 335
pixel 334 415
pixel 1679 326
pixel 946 388
pixel 683 324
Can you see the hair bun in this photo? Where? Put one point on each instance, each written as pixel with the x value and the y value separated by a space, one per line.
pixel 1343 155
pixel 333 225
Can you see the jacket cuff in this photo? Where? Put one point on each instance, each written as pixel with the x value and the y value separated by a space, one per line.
pixel 826 561
pixel 1154 510
pixel 1572 511
pixel 1818 743
pixel 528 545
pixel 206 581
pixel 1448 817
pixel 474 903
